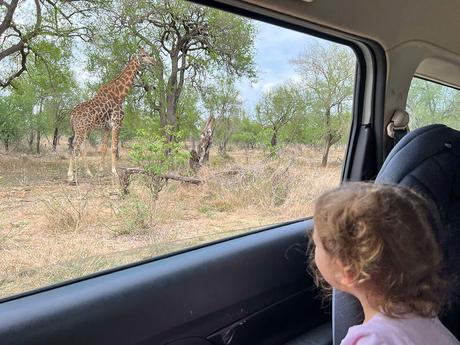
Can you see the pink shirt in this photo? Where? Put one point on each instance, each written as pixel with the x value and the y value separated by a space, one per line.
pixel 381 330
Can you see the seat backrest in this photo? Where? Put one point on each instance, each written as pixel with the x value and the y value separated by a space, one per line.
pixel 427 160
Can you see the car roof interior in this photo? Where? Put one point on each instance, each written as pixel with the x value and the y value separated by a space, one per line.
pixel 404 29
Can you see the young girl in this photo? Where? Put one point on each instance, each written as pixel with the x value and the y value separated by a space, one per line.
pixel 379 243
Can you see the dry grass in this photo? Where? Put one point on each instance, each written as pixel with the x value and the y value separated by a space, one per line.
pixel 51 231
pixel 283 187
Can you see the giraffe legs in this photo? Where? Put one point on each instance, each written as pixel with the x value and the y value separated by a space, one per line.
pixel 105 142
pixel 73 158
pixel 115 136
pixel 70 175
pixel 117 118
pixel 85 162
pixel 77 153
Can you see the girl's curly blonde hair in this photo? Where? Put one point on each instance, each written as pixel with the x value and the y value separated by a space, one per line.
pixel 386 235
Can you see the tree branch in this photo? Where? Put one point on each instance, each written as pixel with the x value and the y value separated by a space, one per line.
pixel 11 8
pixel 124 175
pixel 24 53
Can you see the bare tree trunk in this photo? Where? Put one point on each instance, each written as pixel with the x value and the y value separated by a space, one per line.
pixel 224 143
pixel 38 131
pixel 193 142
pixel 200 157
pixel 223 149
pixel 173 91
pixel 194 159
pixel 274 140
pixel 206 140
pixel 328 137
pixel 326 150
pixel 30 140
pixel 38 141
pixel 206 156
pixel 55 138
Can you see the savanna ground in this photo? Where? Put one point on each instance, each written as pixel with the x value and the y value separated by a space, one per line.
pixel 51 231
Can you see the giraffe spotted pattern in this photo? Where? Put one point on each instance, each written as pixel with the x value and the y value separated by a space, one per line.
pixel 104 111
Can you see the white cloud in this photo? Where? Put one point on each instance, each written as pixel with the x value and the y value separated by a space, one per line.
pixel 275 48
pixel 268 86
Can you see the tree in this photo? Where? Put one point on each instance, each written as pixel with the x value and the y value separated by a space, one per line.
pixel 187 40
pixel 248 132
pixel 59 106
pixel 278 107
pixel 327 72
pixel 156 155
pixel 25 22
pixel 429 102
pixel 11 126
pixel 223 101
pixel 51 85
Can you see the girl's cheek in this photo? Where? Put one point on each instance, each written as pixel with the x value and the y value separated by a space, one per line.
pixel 319 260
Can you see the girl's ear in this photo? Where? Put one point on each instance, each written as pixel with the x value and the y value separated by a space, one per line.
pixel 345 276
pixel 348 278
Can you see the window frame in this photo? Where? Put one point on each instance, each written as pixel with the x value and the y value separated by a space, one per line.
pixel 362 151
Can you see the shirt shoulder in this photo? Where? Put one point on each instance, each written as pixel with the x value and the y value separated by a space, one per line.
pixel 381 330
pixel 363 338
pixel 361 335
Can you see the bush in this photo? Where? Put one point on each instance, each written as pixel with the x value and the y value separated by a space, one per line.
pixel 158 154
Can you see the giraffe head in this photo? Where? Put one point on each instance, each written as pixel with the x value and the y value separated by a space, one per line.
pixel 144 58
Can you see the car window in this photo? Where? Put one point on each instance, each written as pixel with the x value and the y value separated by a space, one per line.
pixel 429 102
pixel 220 124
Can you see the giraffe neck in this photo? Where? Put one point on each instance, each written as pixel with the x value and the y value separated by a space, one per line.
pixel 120 87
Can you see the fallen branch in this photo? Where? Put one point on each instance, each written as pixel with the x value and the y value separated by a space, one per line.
pixel 228 172
pixel 124 174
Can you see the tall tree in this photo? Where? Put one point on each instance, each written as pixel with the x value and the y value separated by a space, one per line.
pixel 187 40
pixel 278 107
pixel 12 126
pixel 53 85
pixel 327 72
pixel 248 132
pixel 223 101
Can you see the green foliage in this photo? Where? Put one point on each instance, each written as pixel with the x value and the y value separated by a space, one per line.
pixel 249 133
pixel 132 121
pixel 155 153
pixel 278 107
pixel 429 102
pixel 222 99
pixel 11 128
pixel 40 100
pixel 30 23
pixel 233 43
pixel 188 114
pixel 327 76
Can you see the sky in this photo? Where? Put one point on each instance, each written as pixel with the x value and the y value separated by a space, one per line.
pixel 275 48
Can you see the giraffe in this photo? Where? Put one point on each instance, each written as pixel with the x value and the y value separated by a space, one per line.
pixel 104 111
